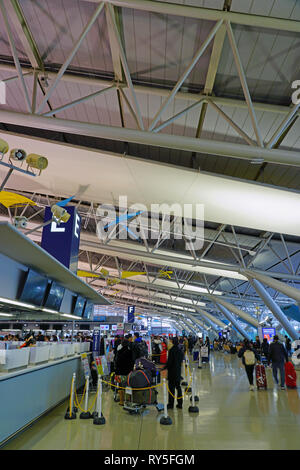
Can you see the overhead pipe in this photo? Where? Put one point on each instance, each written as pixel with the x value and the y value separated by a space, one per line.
pixel 190 144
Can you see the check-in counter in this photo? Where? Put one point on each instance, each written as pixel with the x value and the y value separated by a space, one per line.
pixel 82 347
pixel 57 351
pixel 39 354
pixel 69 349
pixel 29 393
pixel 14 359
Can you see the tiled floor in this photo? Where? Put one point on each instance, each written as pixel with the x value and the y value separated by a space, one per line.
pixel 230 417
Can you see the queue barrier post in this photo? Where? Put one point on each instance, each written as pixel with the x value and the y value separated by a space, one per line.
pixel 166 420
pixel 86 414
pixel 185 370
pixel 200 360
pixel 98 416
pixel 193 408
pixel 71 411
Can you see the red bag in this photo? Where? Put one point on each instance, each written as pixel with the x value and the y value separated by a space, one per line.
pixel 261 379
pixel 290 375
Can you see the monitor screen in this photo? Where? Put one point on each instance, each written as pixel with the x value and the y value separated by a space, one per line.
pixel 55 296
pixel 269 333
pixel 79 304
pixel 34 288
pixel 84 326
pixel 88 310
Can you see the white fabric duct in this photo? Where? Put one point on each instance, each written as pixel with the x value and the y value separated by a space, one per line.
pixel 109 176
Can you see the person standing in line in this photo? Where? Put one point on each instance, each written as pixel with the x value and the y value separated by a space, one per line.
pixel 288 345
pixel 249 357
pixel 278 355
pixel 163 354
pixel 173 366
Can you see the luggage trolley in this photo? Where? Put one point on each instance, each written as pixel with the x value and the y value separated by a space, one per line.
pixel 137 400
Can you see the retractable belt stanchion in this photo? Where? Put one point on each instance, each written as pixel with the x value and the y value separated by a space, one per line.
pixel 98 417
pixel 200 360
pixel 165 419
pixel 71 411
pixel 193 408
pixel 86 414
pixel 188 388
pixel 185 370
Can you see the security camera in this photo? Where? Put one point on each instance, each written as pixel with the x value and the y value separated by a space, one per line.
pixel 17 154
pixel 20 222
pixel 60 214
pixel 3 148
pixel 36 161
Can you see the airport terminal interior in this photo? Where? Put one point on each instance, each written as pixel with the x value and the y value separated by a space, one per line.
pixel 149 225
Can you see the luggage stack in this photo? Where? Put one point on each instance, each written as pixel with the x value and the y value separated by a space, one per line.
pixel 144 376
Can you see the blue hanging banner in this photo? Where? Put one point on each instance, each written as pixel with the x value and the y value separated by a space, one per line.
pixel 96 343
pixel 62 240
pixel 131 311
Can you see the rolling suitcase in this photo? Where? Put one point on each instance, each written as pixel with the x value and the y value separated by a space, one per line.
pixel 290 375
pixel 261 379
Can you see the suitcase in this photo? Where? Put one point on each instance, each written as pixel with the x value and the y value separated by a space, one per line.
pixel 261 379
pixel 141 397
pixel 290 375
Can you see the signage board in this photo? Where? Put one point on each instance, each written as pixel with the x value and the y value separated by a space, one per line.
pixel 62 240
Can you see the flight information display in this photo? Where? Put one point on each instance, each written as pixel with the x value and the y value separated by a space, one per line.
pixel 88 310
pixel 55 296
pixel 34 288
pixel 79 305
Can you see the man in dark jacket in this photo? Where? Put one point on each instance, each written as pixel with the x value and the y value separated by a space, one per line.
pixel 173 366
pixel 277 355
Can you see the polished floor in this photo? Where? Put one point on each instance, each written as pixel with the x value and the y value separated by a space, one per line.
pixel 230 417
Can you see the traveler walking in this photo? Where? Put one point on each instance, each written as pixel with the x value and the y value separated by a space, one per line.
pixel 278 355
pixel 173 366
pixel 249 357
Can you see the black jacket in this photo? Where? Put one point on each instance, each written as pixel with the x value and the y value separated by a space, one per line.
pixel 123 361
pixel 175 358
pixel 277 352
pixel 265 348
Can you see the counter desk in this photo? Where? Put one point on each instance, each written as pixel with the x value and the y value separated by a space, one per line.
pixel 29 393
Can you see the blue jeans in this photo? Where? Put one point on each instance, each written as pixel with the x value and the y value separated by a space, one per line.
pixel 280 366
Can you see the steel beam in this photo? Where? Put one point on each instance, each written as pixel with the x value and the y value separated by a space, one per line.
pixel 185 74
pixel 152 90
pixel 280 286
pixel 212 318
pixel 275 309
pixel 70 56
pixel 233 321
pixel 246 19
pixel 237 311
